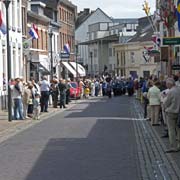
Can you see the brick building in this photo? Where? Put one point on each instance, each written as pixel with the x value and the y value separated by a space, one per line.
pixel 38 58
pixel 67 16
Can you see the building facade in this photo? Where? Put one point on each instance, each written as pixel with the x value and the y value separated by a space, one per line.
pixel 82 36
pixel 67 13
pixel 38 57
pixel 15 32
pixel 137 57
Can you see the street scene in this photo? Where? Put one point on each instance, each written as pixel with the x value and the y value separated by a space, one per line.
pixel 89 90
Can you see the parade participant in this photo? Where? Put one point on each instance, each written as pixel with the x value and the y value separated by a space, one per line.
pixel 130 87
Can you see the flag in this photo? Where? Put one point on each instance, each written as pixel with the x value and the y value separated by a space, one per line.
pixel 3 28
pixel 67 48
pixel 178 13
pixel 34 32
pixel 156 40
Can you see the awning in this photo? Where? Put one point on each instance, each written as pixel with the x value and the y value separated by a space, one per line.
pixel 43 70
pixel 80 69
pixel 40 68
pixel 69 68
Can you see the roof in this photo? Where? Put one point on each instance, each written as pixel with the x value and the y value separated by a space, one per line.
pixel 49 3
pixel 112 38
pixel 125 21
pixel 144 35
pixel 39 17
pixel 67 3
pixel 98 9
pixel 144 31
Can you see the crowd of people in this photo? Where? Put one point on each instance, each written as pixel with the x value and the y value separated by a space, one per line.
pixel 160 96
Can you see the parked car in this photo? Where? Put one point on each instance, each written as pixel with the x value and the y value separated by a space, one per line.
pixel 75 91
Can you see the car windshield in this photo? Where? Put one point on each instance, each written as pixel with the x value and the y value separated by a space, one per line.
pixel 73 85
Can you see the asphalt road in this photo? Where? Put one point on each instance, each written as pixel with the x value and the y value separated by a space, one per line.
pixel 94 140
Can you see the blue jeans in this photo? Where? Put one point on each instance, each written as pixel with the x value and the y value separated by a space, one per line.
pixel 18 109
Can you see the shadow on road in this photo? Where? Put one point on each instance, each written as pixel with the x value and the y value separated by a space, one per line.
pixel 105 154
pixel 115 107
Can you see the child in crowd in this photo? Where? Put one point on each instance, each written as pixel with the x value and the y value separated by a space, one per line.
pixel 86 91
pixel 36 107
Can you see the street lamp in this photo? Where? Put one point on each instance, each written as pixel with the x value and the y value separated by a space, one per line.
pixel 6 3
pixel 50 36
pixel 76 63
pixel 91 56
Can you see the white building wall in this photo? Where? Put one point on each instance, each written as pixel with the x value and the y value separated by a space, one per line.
pixel 15 39
pixel 81 32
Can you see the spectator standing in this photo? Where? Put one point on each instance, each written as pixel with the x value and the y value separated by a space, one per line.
pixel 55 92
pixel 154 102
pixel 97 86
pixel 81 86
pixel 44 87
pixel 172 107
pixel 26 99
pixel 68 85
pixel 17 98
pixel 36 107
pixel 62 90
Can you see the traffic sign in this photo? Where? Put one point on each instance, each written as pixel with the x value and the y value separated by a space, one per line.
pixel 64 55
pixel 176 67
pixel 171 41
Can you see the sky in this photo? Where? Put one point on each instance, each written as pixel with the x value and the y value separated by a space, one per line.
pixel 116 8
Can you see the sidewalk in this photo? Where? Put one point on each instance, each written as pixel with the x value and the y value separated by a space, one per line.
pixel 158 132
pixel 9 129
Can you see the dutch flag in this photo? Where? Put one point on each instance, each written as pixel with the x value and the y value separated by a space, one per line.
pixel 3 28
pixel 67 48
pixel 34 32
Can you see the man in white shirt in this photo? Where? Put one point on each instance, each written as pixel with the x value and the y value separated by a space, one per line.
pixel 17 98
pixel 44 87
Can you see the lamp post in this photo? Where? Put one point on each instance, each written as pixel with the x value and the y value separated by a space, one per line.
pixel 6 3
pixel 91 56
pixel 51 59
pixel 76 63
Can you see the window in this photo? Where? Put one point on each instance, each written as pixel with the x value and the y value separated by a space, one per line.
pixel 114 52
pixel 19 60
pixel 110 52
pixel 23 21
pixel 14 63
pixel 146 74
pixel 42 40
pixel 18 14
pixel 95 53
pixel 132 57
pixel 13 14
pixel 129 27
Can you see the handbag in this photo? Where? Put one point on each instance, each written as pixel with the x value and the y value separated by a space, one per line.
pixel 30 101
